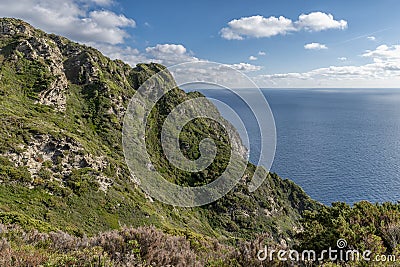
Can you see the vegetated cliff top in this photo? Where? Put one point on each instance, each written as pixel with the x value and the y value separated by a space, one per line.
pixel 61 163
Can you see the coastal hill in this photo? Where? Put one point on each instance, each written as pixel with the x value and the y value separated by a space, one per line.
pixel 66 194
pixel 62 167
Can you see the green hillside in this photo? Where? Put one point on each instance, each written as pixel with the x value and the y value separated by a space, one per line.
pixel 62 166
pixel 67 196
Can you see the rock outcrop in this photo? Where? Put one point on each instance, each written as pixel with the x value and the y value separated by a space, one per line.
pixel 45 50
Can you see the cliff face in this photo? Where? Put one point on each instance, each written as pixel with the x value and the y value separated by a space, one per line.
pixel 61 163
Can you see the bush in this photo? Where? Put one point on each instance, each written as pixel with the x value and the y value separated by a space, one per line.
pixel 20 174
pixel 144 246
pixel 83 180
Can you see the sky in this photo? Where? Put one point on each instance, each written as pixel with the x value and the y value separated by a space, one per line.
pixel 285 43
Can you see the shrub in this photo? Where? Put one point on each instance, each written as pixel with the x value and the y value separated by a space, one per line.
pixel 21 174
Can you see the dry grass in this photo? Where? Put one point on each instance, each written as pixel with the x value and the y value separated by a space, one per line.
pixel 144 246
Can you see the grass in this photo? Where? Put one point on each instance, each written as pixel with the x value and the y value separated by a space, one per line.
pixel 50 199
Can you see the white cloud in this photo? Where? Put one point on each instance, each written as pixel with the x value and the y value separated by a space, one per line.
pixel 384 71
pixel 205 74
pixel 166 54
pixel 129 55
pixel 244 67
pixel 384 53
pixel 170 54
pixel 259 26
pixel 167 49
pixel 315 46
pixel 285 76
pixel 71 18
pixel 261 53
pixel 99 2
pixel 256 26
pixel 108 19
pixel 318 21
pixel 252 58
pixel 342 58
pixel 229 34
pixel 371 38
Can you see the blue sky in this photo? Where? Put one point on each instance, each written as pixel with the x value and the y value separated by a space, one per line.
pixel 302 43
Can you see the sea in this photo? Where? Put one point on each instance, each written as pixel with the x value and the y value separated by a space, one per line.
pixel 337 144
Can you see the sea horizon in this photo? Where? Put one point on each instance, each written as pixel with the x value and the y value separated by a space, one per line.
pixel 331 143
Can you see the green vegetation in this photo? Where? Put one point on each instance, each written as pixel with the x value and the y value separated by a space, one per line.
pixel 143 246
pixel 65 167
pixel 190 137
pixel 365 226
pixel 65 186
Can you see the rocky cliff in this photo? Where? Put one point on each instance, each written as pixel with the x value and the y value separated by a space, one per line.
pixel 61 161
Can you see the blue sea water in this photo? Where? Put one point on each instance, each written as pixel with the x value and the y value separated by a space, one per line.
pixel 337 144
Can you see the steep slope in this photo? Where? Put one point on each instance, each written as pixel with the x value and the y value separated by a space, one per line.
pixel 61 160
